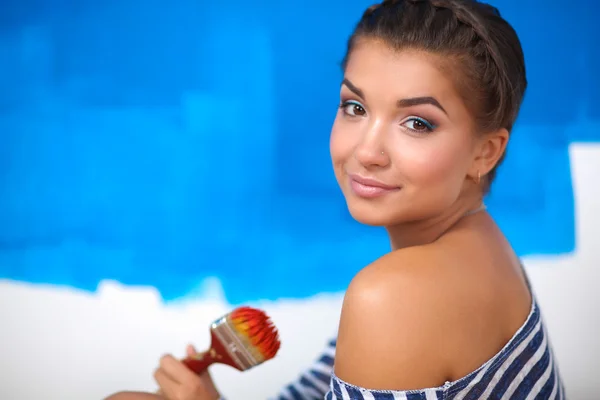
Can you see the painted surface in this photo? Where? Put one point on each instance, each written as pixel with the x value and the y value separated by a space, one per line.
pixel 58 343
pixel 185 150
pixel 142 146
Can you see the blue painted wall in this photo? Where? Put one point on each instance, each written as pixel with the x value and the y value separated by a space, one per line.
pixel 160 145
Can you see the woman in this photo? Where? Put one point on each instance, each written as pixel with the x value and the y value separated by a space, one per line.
pixel 430 93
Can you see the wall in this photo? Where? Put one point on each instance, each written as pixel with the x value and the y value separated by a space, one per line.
pixel 159 166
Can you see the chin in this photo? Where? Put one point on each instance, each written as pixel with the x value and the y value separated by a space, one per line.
pixel 370 214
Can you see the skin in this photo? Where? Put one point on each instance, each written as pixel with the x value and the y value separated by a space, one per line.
pixel 175 382
pixel 451 293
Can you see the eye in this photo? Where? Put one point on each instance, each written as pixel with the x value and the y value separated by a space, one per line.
pixel 418 125
pixel 353 109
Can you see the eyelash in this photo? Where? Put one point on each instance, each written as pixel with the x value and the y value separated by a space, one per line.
pixel 428 125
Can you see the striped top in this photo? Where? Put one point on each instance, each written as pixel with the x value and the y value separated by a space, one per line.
pixel 524 369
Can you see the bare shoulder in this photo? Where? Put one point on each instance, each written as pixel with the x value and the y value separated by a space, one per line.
pixel 394 314
pixel 424 315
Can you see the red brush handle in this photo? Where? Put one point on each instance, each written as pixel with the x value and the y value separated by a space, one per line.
pixel 200 362
pixel 216 354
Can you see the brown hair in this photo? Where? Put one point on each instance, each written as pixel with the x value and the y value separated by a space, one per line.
pixel 473 36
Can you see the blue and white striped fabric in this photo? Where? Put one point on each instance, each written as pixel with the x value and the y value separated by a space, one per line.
pixel 524 369
pixel 314 383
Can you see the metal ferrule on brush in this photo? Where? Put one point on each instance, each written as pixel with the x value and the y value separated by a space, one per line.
pixel 236 348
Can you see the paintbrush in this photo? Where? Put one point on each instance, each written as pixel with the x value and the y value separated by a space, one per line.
pixel 242 339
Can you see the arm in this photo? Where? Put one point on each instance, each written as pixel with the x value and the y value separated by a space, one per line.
pixel 314 383
pixel 134 396
pixel 176 382
pixel 392 323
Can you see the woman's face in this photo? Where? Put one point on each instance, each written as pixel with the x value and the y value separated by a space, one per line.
pixel 402 144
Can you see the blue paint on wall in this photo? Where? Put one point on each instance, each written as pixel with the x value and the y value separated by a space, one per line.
pixel 160 146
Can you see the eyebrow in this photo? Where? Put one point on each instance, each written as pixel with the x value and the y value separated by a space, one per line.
pixel 353 88
pixel 413 101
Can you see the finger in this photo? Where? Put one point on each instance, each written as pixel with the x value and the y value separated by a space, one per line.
pixel 167 386
pixel 190 350
pixel 168 365
pixel 177 370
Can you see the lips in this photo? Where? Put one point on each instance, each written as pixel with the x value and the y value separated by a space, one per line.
pixel 369 187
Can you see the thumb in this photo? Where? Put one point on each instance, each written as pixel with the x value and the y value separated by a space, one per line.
pixel 190 350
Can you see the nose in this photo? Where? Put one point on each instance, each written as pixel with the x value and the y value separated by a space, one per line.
pixel 370 151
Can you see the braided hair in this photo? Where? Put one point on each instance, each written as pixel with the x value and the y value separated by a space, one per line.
pixel 483 48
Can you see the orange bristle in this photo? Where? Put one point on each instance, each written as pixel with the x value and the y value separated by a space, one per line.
pixel 255 326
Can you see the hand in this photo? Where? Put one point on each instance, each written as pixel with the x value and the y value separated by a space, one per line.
pixel 178 382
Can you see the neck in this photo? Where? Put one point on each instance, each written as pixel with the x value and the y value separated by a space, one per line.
pixel 430 229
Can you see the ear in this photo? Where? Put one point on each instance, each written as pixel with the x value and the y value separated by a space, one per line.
pixel 489 150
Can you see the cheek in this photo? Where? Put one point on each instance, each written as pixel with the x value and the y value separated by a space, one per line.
pixel 432 163
pixel 340 143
